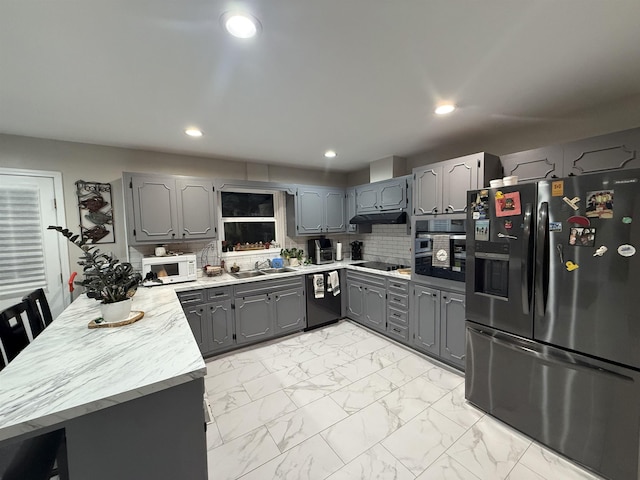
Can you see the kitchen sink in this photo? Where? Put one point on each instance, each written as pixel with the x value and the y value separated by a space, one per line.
pixel 277 270
pixel 248 274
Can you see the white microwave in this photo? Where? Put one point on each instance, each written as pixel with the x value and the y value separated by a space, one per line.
pixel 171 268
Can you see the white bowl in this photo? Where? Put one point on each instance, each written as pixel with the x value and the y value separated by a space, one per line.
pixel 496 183
pixel 512 180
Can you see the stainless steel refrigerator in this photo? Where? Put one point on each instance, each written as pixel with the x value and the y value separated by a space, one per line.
pixel 553 314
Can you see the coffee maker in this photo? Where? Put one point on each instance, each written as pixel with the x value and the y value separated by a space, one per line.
pixel 356 250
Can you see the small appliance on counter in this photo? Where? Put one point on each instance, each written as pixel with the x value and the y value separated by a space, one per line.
pixel 170 269
pixel 356 250
pixel 320 250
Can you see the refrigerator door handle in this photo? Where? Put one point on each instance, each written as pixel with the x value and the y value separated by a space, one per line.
pixel 526 266
pixel 547 356
pixel 542 260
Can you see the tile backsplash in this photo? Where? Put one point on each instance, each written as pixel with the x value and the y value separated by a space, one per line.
pixel 386 243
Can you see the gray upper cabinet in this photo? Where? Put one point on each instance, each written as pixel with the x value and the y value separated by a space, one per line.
pixel 161 209
pixel 387 195
pixel 196 208
pixel 534 165
pixel 427 190
pixel 440 188
pixel 155 208
pixel 615 151
pixel 350 207
pixel 316 210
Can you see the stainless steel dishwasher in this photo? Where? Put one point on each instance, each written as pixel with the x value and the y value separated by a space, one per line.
pixel 325 310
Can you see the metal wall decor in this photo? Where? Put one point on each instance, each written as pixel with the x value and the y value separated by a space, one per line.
pixel 95 211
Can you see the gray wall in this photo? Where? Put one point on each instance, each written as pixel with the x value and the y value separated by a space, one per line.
pixel 79 161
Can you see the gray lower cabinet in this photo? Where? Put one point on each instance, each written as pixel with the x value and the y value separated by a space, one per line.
pixel 366 302
pixel 165 208
pixel 398 309
pixel 268 308
pixel 253 318
pixel 210 316
pixel 437 323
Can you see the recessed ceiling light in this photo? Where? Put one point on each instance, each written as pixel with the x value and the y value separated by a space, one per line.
pixel 445 108
pixel 193 132
pixel 240 25
pixel 330 154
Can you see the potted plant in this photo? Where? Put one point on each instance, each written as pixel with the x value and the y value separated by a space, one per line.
pixel 292 255
pixel 106 278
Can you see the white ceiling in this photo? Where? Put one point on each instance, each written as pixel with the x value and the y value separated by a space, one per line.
pixel 359 76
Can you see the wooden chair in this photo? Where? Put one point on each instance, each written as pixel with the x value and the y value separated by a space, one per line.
pixel 13 334
pixel 40 313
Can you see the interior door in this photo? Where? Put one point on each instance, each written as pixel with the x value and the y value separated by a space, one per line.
pixel 31 256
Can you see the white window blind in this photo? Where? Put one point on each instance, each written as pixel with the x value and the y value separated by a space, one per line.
pixel 22 266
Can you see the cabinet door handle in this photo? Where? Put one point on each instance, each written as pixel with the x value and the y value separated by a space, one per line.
pixel 452 208
pixel 397 330
pixel 173 235
pixel 433 295
pixel 434 210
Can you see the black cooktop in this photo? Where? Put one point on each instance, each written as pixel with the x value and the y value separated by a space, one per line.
pixel 381 266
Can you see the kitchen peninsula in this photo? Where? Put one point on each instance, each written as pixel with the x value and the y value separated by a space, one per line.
pixel 128 398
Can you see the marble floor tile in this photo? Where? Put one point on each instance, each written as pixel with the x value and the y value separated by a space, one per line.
pixel 364 392
pixel 444 378
pixel 362 367
pixel 252 415
pixel 393 353
pixel 233 378
pixel 233 459
pixel 311 460
pixel 454 406
pixel 227 400
pixel 550 465
pixel 376 463
pixel 316 387
pixel 419 442
pixel 406 369
pixel 412 398
pixel 295 427
pixel 520 472
pixel 340 340
pixel 289 359
pixel 446 468
pixel 218 366
pixel 213 436
pixel 254 354
pixel 365 346
pixel 489 449
pixel 326 362
pixel 267 384
pixel 356 434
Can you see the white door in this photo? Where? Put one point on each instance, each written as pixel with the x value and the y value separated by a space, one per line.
pixel 30 255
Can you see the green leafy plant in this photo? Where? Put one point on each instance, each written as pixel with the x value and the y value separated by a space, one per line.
pixel 292 253
pixel 105 277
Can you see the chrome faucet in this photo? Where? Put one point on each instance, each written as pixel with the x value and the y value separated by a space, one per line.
pixel 267 262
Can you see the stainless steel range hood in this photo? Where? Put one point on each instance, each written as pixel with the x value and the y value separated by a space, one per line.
pixel 379 218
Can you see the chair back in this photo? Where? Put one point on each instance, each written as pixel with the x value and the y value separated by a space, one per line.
pixel 13 334
pixel 40 313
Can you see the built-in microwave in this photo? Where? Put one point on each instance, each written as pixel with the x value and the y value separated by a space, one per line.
pixel 170 268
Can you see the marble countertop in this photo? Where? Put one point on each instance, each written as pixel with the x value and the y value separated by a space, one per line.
pixel 228 279
pixel 69 370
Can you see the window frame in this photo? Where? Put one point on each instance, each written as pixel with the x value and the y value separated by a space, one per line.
pixel 279 212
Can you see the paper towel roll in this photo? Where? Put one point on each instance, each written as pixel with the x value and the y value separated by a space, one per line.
pixel 338 251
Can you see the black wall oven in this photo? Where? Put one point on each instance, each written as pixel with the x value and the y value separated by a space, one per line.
pixel 440 249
